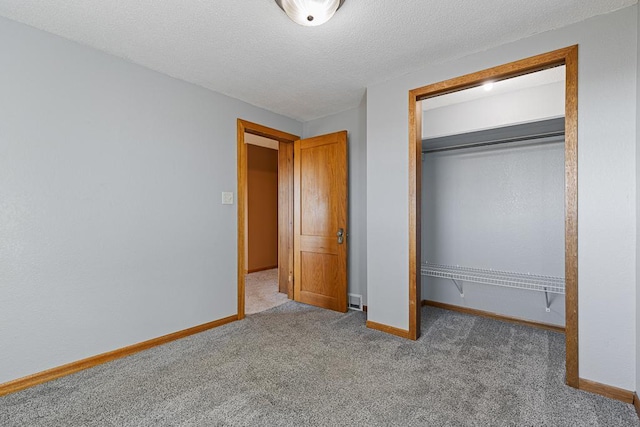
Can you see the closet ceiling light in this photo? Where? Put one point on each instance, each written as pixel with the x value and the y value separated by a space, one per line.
pixel 310 13
pixel 488 86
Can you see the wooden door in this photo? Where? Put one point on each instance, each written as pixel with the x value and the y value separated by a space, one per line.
pixel 320 221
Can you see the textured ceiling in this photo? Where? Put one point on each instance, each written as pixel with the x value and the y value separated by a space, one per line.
pixel 250 50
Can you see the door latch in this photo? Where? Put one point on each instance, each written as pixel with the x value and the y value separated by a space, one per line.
pixel 340 235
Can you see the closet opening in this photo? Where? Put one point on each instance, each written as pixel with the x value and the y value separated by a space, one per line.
pixel 493 196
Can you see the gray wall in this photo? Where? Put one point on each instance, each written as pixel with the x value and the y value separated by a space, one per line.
pixel 111 221
pixel 638 217
pixel 354 121
pixel 606 185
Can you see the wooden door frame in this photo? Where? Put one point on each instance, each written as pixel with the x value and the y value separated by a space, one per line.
pixel 285 203
pixel 569 58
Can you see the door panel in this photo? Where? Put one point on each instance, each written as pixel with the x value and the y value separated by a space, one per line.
pixel 320 211
pixel 317 217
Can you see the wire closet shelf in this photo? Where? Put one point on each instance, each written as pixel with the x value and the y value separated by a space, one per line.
pixel 532 282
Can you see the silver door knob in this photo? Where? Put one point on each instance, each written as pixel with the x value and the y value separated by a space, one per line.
pixel 340 236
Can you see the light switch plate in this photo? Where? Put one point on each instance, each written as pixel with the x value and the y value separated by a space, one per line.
pixel 227 198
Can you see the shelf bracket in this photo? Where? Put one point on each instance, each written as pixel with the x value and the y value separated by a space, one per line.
pixel 459 286
pixel 546 298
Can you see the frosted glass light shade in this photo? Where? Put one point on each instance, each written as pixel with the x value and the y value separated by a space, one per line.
pixel 309 13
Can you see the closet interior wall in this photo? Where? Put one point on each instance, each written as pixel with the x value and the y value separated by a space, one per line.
pixel 499 207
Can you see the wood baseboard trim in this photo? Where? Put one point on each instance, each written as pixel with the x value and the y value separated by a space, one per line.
pixel 636 403
pixel 388 329
pixel 605 390
pixel 495 316
pixel 73 367
pixel 255 270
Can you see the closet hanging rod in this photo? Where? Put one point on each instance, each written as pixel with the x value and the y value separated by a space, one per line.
pixel 495 142
pixel 536 131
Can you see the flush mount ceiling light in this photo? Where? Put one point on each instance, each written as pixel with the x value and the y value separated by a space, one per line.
pixel 310 13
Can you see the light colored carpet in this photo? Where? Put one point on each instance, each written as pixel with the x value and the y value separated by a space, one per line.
pixel 297 365
pixel 261 291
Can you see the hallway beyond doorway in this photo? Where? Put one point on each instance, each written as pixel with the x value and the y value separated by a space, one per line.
pixel 262 291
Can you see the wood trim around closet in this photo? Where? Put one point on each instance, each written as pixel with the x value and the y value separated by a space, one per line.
pixel 567 56
pixel 90 362
pixel 415 212
pixel 284 204
pixel 402 333
pixel 571 215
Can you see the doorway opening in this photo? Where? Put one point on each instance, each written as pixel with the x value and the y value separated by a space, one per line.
pixel 261 142
pixel 568 58
pixel 261 249
pixel 312 216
